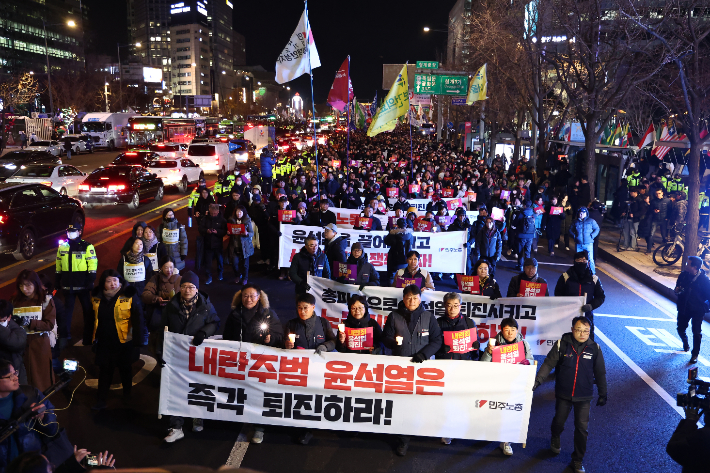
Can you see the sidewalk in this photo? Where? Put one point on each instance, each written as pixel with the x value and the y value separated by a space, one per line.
pixel 636 264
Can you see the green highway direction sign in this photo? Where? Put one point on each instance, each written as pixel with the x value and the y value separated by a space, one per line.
pixel 427 64
pixel 440 84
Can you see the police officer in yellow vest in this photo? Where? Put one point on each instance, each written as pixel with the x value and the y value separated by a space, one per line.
pixel 193 197
pixel 75 275
pixel 676 184
pixel 634 180
pixel 117 332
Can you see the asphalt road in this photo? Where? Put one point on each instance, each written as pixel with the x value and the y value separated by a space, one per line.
pixel 635 328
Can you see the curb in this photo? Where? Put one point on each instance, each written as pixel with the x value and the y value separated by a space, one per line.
pixel 634 272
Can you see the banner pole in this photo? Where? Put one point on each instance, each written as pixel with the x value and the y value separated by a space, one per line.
pixel 313 100
pixel 347 147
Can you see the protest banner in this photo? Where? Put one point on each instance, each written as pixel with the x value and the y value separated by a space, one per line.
pixel 286 216
pixel 542 320
pixel 236 229
pixel 440 252
pixel 400 282
pixel 414 188
pixel 365 223
pixel 453 204
pixel 171 237
pixel 460 341
pixel 349 218
pixel 246 383
pixel 392 192
pixel 468 284
pixel 359 338
pixel 421 225
pixel 513 353
pixel 344 270
pixel 31 313
pixel 448 192
pixel 133 272
pixel 556 210
pixel 532 289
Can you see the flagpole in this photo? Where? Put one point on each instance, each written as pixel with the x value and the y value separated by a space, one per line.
pixel 411 152
pixel 347 146
pixel 313 100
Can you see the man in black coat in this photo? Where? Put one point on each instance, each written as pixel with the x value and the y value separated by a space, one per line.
pixel 689 445
pixel 693 290
pixel 322 217
pixel 335 244
pixel 309 259
pixel 529 274
pixel 461 224
pixel 213 228
pixel 579 281
pixel 659 217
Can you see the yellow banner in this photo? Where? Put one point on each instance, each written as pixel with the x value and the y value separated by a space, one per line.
pixel 33 313
pixel 396 105
pixel 478 88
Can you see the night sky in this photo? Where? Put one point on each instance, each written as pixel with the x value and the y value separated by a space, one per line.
pixel 372 32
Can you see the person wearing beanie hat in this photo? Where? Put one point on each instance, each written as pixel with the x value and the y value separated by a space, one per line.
pixel 335 245
pixel 529 274
pixel 692 289
pixel 189 313
pixel 161 287
pixel 579 280
pixel 256 198
pixel 367 275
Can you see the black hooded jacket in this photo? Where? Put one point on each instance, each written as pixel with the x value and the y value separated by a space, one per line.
pixel 240 327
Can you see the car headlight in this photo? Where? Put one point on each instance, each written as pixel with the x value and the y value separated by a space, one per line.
pixel 11 166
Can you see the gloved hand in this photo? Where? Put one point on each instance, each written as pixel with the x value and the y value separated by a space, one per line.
pixel 586 307
pixel 418 358
pixel 307 287
pixel 535 386
pixel 601 401
pixel 321 349
pixel 199 338
pixel 691 413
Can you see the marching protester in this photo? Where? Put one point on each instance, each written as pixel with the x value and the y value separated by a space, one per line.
pixel 135 267
pixel 213 228
pixel 367 275
pixel 579 281
pixel 693 290
pixel 137 232
pixel 253 320
pixel 335 244
pixel 201 211
pixel 579 365
pixel 413 271
pixel 525 230
pixel 461 224
pixel 190 313
pixel 411 331
pixel 173 236
pixel 309 260
pixel 553 225
pixel 584 230
pixel 161 287
pixel 399 239
pixel 241 247
pixel 529 274
pixel 308 331
pixel 152 248
pixel 508 335
pixel 487 284
pixel 489 243
pixel 118 329
pixel 359 318
pixel 34 310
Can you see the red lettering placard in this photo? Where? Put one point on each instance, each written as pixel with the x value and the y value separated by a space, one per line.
pixel 532 289
pixel 392 192
pixel 471 196
pixel 236 229
pixel 453 204
pixel 447 192
pixel 556 210
pixel 539 209
pixel 420 225
pixel 336 164
pixel 404 282
pixel 460 341
pixel 468 284
pixel 287 216
pixel 414 188
pixel 365 223
pixel 358 338
pixel 402 164
pixel 513 353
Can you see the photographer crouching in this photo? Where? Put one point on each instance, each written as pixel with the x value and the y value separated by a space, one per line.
pixel 689 446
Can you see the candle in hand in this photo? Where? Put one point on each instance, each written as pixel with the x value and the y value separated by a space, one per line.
pixel 292 337
pixel 341 328
pixel 399 339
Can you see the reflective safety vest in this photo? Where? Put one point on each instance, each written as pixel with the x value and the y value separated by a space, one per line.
pixel 217 188
pixel 121 315
pixel 704 201
pixel 228 184
pixel 634 179
pixel 665 181
pixel 82 261
pixel 285 167
pixel 676 185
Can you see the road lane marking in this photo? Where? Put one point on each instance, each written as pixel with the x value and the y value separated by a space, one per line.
pixel 236 456
pixel 645 338
pixel 608 271
pixel 634 317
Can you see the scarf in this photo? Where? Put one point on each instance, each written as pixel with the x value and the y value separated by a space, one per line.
pixel 148 244
pixel 109 295
pixel 187 306
pixel 135 258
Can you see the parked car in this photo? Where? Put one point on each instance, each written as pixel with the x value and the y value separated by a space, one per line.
pixel 241 149
pixel 62 178
pixel 12 161
pixel 54 147
pixel 135 158
pixel 120 184
pixel 169 150
pixel 33 214
pixel 212 157
pixel 78 143
pixel 177 172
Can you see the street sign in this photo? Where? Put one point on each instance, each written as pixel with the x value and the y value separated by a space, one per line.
pixel 458 100
pixel 426 84
pixel 440 84
pixel 453 85
pixel 427 64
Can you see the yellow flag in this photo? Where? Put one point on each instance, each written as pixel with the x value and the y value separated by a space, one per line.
pixel 478 88
pixel 396 105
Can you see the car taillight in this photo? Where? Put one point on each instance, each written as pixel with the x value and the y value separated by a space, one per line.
pixel 47 183
pixel 84 187
pixel 2 219
pixel 131 154
pixel 174 170
pixel 105 178
pixel 118 187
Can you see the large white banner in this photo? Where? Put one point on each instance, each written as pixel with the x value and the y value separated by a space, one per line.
pixel 348 218
pixel 440 252
pixel 242 382
pixel 421 204
pixel 542 320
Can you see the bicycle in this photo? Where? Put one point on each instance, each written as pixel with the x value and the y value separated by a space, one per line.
pixel 669 253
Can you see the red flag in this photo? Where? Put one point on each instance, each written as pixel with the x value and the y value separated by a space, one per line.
pixel 341 92
pixel 648 137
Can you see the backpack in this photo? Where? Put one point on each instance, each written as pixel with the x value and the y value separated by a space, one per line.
pixel 528 223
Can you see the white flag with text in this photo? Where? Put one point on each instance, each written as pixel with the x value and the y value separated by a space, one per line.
pixel 293 60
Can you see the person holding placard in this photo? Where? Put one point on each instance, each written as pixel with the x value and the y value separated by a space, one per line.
pixel 508 335
pixel 411 331
pixel 213 228
pixel 579 280
pixel 518 283
pixel 366 275
pixel 399 239
pixel 552 223
pixel 490 244
pixel 153 249
pixel 174 238
pixel 241 245
pixel 34 310
pixel 413 271
pixel 135 267
pixel 488 286
pixel 368 216
pixel 161 287
pixel 335 245
pixel 359 333
pixel 309 260
pixel 118 323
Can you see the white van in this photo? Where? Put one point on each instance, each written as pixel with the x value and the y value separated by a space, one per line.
pixel 212 157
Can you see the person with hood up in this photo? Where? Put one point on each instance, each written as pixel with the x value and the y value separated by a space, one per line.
pixel 367 275
pixel 309 260
pixel 584 230
pixel 335 244
pixel 174 238
pixel 135 267
pixel 508 335
pixel 161 287
pixel 529 274
pixel 359 317
pixel 412 332
pixel 118 325
pixel 693 291
pixel 201 210
pixel 524 224
pixel 399 239
pixel 137 232
pixel 579 281
pixel 579 364
pixel 241 247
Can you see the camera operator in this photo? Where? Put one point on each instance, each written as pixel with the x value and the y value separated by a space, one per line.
pixel 690 446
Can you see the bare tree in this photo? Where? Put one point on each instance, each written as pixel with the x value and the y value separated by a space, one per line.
pixel 16 93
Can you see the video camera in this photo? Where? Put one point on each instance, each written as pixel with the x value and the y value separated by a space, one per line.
pixel 697 388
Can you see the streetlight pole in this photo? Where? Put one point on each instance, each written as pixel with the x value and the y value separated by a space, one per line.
pixel 49 74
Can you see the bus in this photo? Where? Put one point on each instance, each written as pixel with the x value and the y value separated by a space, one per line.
pixel 145 130
pixel 230 129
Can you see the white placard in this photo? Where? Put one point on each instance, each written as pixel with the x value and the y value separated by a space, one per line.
pixel 133 272
pixel 170 237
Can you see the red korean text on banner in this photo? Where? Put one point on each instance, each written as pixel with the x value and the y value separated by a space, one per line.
pixel 421 225
pixel 513 353
pixel 404 282
pixel 447 192
pixel 236 229
pixel 471 196
pixel 460 341
pixel 505 195
pixel 453 204
pixel 392 192
pixel 336 164
pixel 556 210
pixel 359 338
pixel 287 216
pixel 365 223
pixel 539 209
pixel 532 289
pixel 344 270
pixel 414 188
pixel 468 284
pixel 402 164
pixel 497 214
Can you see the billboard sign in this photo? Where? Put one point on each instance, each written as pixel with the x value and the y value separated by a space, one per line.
pixel 152 74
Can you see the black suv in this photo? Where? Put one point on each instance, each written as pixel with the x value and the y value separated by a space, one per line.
pixel 135 158
pixel 120 184
pixel 11 162
pixel 34 213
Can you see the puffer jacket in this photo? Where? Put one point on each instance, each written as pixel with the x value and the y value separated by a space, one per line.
pixel 204 318
pixel 367 275
pixel 500 340
pixel 238 328
pixel 489 244
pixel 177 250
pixel 584 231
pixel 661 205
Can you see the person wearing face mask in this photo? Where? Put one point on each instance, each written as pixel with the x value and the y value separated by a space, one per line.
pixel 359 317
pixel 161 287
pixel 118 325
pixel 529 274
pixel 135 267
pixel 174 238
pixel 579 281
pixel 490 244
pixel 34 310
pixel 75 274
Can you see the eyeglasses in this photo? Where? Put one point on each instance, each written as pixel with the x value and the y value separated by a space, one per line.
pixel 14 374
pixel 189 288
pixel 253 296
pixel 581 332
